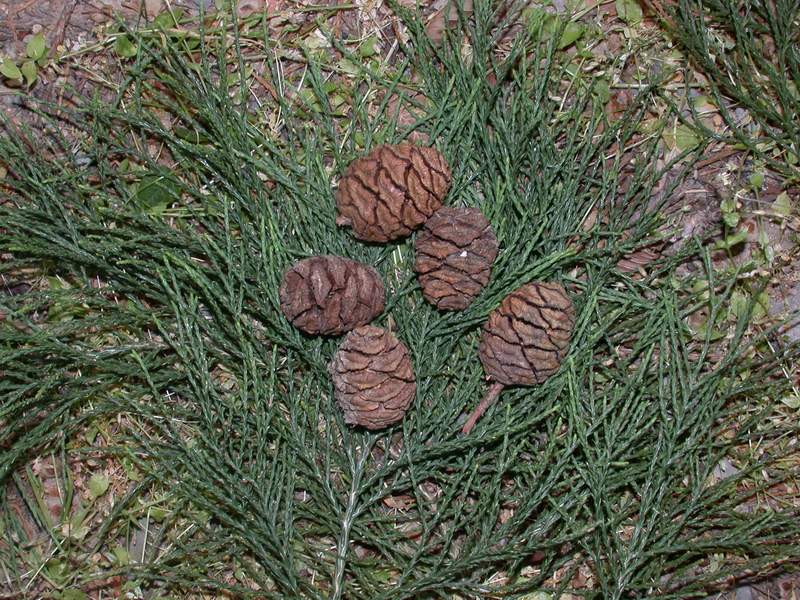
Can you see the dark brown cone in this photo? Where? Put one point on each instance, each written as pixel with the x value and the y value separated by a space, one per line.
pixel 391 191
pixel 454 256
pixel 328 295
pixel 526 337
pixel 524 340
pixel 373 378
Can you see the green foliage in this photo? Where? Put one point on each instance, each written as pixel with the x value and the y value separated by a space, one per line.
pixel 124 47
pixel 98 485
pixel 156 191
pixel 748 51
pixel 782 205
pixel 629 11
pixel 611 463
pixel 29 71
pixel 546 25
pixel 36 47
pixel 680 136
pixel 36 52
pixel 9 69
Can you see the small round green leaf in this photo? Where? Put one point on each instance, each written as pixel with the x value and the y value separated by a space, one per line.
pixel 782 205
pixel 602 90
pixel 168 19
pixel 10 70
pixel 731 218
pixel 158 514
pixel 761 306
pixel 57 570
pixel 368 48
pixel 121 556
pixel 125 48
pixel 757 180
pixel 681 137
pixel 29 70
pixel 98 485
pixel 155 192
pixel 629 11
pixel 731 240
pixel 792 400
pixel 36 47
pixel 737 305
pixel 572 33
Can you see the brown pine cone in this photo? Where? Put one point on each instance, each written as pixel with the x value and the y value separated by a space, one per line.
pixel 527 336
pixel 373 378
pixel 524 340
pixel 328 295
pixel 391 191
pixel 454 256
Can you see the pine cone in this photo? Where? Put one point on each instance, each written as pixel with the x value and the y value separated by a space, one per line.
pixel 372 377
pixel 527 336
pixel 391 191
pixel 454 256
pixel 328 295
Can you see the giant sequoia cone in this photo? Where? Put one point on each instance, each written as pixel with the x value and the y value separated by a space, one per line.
pixel 524 340
pixel 391 191
pixel 373 378
pixel 329 295
pixel 454 256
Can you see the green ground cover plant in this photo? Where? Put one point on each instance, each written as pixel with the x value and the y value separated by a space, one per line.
pixel 750 53
pixel 165 218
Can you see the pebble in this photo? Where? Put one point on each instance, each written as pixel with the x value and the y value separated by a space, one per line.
pixel 745 593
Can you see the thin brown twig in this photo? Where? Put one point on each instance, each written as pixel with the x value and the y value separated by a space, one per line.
pixel 722 155
pixel 61 25
pixel 266 85
pixel 489 399
pixel 13 12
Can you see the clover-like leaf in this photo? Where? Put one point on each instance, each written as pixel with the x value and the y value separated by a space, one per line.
pixel 30 71
pixel 36 47
pixel 10 70
pixel 125 48
pixel 98 485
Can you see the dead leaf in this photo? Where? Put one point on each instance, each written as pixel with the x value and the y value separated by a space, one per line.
pixel 445 18
pixel 637 260
pixel 399 502
pixel 154 7
pixel 249 7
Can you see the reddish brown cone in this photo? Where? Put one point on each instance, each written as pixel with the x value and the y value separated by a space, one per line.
pixel 328 295
pixel 391 191
pixel 373 378
pixel 524 340
pixel 454 256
